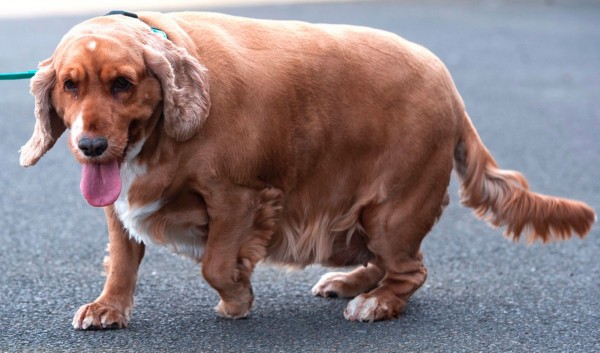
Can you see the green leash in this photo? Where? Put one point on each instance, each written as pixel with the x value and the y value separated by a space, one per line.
pixel 17 75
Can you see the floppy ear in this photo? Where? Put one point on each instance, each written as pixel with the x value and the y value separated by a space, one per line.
pixel 48 126
pixel 184 84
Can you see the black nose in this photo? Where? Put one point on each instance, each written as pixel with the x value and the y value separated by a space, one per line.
pixel 92 147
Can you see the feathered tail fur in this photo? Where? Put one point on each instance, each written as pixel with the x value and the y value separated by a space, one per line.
pixel 502 197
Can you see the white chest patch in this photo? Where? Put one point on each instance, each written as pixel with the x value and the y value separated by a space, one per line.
pixel 187 241
pixel 133 217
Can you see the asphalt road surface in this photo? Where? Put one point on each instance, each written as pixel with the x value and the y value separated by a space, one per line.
pixel 530 76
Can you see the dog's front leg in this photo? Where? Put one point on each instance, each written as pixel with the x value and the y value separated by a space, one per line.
pixel 241 225
pixel 113 307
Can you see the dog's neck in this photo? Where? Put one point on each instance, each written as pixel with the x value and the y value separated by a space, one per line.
pixel 148 137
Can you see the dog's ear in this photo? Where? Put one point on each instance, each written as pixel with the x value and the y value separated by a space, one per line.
pixel 184 84
pixel 48 126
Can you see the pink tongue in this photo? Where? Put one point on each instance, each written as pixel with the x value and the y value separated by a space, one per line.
pixel 100 183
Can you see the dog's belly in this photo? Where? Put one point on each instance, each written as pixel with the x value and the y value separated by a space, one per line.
pixel 325 241
pixel 320 229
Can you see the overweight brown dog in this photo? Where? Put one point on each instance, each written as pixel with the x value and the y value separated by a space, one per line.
pixel 234 141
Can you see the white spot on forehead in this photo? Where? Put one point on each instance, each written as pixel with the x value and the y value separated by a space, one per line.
pixel 92 45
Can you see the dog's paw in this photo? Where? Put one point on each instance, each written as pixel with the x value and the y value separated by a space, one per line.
pixel 98 316
pixel 365 308
pixel 340 284
pixel 330 285
pixel 233 310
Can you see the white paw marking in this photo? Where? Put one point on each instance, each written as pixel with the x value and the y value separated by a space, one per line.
pixel 87 322
pixel 104 321
pixel 361 309
pixel 325 284
pixel 220 309
pixel 76 323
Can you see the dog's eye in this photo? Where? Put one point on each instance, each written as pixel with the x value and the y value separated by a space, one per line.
pixel 121 84
pixel 70 86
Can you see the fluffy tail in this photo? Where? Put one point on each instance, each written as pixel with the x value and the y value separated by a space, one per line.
pixel 502 197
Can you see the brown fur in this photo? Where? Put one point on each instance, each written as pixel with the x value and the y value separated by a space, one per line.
pixel 244 140
pixel 503 198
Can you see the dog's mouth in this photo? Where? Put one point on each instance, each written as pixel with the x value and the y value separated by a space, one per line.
pixel 101 183
pixel 101 180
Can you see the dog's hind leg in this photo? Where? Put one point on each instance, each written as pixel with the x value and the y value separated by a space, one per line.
pixel 388 299
pixel 395 230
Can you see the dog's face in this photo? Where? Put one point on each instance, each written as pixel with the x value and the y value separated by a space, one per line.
pixel 105 82
pixel 105 95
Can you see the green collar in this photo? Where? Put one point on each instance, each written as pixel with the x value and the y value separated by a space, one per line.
pixel 158 31
pixel 134 15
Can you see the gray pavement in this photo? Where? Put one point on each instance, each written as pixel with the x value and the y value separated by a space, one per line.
pixel 530 76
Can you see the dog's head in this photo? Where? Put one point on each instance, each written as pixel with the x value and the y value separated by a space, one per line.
pixel 105 82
